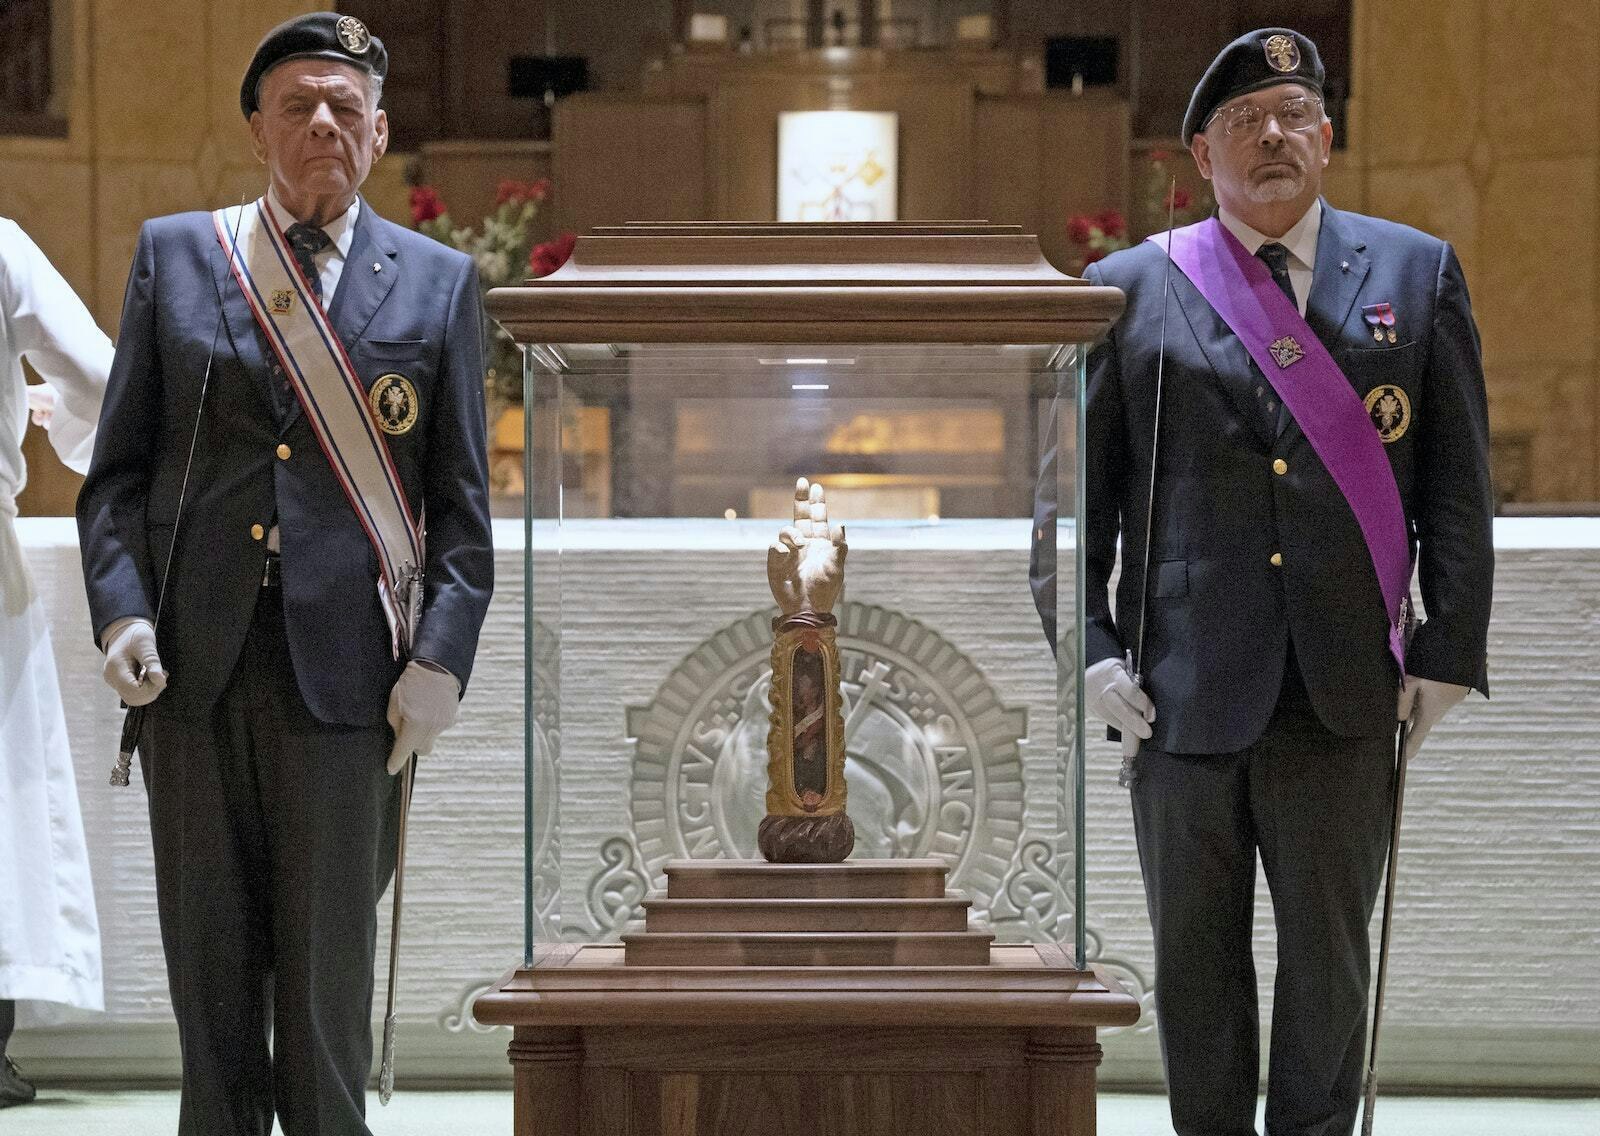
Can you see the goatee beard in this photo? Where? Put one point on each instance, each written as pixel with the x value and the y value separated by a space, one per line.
pixel 1275 189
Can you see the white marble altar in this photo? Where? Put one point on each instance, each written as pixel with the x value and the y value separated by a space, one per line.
pixel 1494 972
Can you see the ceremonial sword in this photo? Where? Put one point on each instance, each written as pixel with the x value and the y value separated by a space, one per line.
pixel 133 721
pixel 1370 1102
pixel 386 1068
pixel 1133 661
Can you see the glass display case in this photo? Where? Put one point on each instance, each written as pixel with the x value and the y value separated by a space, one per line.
pixel 678 380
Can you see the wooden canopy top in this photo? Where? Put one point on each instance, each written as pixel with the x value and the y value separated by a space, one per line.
pixel 857 282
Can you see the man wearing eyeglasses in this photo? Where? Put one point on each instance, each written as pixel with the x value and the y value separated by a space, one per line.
pixel 1322 429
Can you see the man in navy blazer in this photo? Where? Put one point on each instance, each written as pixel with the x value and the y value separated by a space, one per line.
pixel 1270 696
pixel 237 596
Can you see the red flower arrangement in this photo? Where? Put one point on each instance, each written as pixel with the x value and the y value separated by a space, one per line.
pixel 1098 234
pixel 520 191
pixel 1164 197
pixel 426 204
pixel 502 248
pixel 551 255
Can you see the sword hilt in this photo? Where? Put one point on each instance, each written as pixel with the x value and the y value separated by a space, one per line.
pixel 132 724
pixel 386 1068
pixel 1128 775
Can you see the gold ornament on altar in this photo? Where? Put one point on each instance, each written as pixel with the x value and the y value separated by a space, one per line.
pixel 806 820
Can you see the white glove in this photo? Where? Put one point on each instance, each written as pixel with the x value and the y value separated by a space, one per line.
pixel 422 706
pixel 1116 700
pixel 42 399
pixel 132 667
pixel 1423 701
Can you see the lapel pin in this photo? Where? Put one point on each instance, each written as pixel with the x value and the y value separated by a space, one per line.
pixel 1344 266
pixel 376 267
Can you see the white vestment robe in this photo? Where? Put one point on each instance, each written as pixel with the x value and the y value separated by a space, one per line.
pixel 49 934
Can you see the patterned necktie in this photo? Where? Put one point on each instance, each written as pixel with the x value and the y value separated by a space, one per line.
pixel 307 241
pixel 1277 259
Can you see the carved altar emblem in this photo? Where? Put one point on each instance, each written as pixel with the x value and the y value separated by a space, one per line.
pixel 1283 54
pixel 1286 351
pixel 932 755
pixel 1390 411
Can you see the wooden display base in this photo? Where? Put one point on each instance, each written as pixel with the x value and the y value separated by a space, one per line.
pixel 752 913
pixel 848 999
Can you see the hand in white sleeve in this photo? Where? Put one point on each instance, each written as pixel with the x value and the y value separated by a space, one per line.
pixel 1117 700
pixel 1423 701
pixel 42 400
pixel 422 706
pixel 132 667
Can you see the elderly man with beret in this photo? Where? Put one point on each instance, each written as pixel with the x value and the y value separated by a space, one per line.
pixel 1323 432
pixel 286 547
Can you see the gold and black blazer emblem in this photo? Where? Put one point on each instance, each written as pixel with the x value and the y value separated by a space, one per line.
pixel 1390 411
pixel 393 401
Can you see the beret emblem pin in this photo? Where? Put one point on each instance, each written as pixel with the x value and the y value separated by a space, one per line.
pixel 353 35
pixel 1283 54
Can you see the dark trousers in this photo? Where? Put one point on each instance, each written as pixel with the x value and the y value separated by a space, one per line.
pixel 274 837
pixel 1316 807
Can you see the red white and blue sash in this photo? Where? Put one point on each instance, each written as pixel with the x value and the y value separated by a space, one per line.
pixel 1324 404
pixel 335 403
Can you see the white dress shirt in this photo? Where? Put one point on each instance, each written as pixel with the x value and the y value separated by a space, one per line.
pixel 1300 240
pixel 330 261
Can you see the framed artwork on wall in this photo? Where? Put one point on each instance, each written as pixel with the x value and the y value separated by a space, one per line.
pixel 838 165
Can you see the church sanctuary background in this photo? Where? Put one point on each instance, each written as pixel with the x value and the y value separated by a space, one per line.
pixel 1475 120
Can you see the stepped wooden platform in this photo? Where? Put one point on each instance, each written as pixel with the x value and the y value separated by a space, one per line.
pixel 751 913
pixel 851 999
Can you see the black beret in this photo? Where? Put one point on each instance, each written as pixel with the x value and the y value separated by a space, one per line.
pixel 1262 58
pixel 318 35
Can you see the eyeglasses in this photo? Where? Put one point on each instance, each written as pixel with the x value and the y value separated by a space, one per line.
pixel 1246 120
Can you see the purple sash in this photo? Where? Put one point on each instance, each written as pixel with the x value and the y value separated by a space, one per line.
pixel 1330 413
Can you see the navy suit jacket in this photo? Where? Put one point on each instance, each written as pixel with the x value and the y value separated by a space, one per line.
pixel 1221 617
pixel 404 304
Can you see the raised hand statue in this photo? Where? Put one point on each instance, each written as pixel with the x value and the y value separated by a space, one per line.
pixel 806 821
pixel 805 565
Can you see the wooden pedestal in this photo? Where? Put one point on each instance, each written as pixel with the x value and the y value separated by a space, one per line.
pixel 734 1036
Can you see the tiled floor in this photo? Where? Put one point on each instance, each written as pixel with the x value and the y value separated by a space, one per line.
pixel 124 1113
